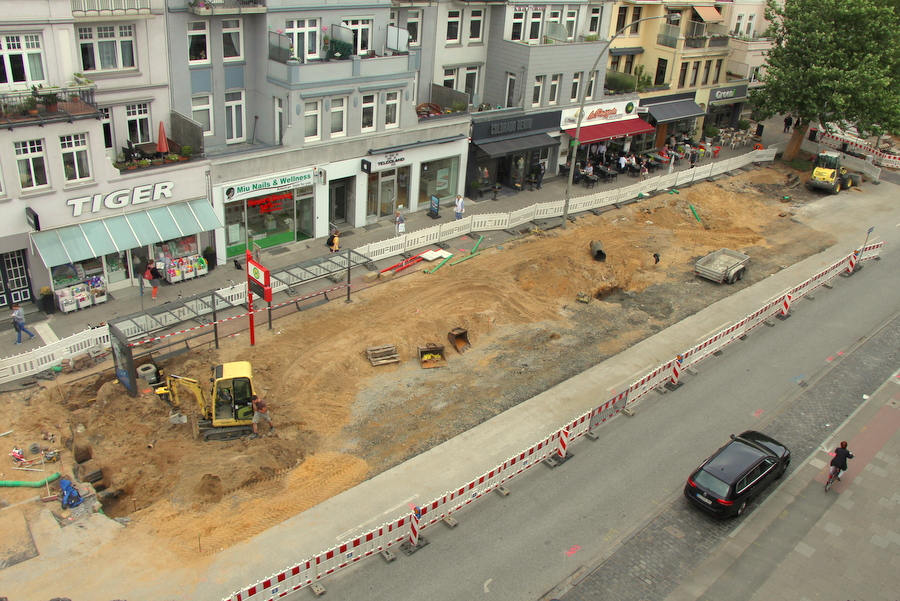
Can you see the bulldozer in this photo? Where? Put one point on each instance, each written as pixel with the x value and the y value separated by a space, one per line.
pixel 226 412
pixel 828 174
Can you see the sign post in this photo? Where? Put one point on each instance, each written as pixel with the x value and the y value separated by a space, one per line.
pixel 257 283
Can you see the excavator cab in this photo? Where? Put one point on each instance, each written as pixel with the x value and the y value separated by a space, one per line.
pixel 231 394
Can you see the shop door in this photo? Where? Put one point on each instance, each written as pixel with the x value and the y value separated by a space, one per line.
pixel 403 187
pixel 338 197
pixel 138 259
pixel 305 218
pixel 387 196
pixel 15 285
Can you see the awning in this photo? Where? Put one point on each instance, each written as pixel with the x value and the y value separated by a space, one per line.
pixel 97 238
pixel 665 112
pixel 710 14
pixel 504 147
pixel 613 129
pixel 728 101
pixel 626 51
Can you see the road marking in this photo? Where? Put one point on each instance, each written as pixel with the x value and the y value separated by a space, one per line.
pixel 573 551
pixel 830 359
pixel 798 379
pixel 758 413
pixel 486 583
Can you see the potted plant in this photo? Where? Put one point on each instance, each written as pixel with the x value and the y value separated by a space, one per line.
pixel 48 300
pixel 30 105
pixel 743 125
pixel 131 165
pixel 51 102
pixel 143 162
pixel 209 255
pixel 710 132
pixel 186 152
pixel 170 158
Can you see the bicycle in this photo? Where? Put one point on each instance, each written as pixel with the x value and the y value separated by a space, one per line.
pixel 832 476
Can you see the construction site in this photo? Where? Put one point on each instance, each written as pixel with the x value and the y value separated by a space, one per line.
pixel 535 310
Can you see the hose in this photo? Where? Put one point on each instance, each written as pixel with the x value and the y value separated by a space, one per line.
pixel 44 482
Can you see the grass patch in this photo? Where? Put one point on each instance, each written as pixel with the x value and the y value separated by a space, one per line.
pixel 802 162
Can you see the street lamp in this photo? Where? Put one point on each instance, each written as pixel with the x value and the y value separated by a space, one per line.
pixel 674 18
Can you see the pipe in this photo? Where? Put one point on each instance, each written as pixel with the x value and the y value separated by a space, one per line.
pixel 14 483
pixel 439 266
pixel 472 252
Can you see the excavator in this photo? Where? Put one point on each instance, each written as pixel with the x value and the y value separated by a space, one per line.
pixel 828 173
pixel 226 413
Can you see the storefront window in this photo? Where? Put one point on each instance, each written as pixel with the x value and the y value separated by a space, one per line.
pixel 438 178
pixel 116 267
pixel 268 220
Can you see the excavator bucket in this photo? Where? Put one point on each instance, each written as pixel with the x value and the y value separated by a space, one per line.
pixel 459 339
pixel 432 355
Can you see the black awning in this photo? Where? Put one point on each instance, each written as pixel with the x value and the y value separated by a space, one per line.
pixel 504 147
pixel 664 112
pixel 626 51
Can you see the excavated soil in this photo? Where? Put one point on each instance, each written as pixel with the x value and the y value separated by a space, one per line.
pixel 340 420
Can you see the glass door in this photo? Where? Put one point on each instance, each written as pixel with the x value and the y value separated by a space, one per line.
pixel 387 195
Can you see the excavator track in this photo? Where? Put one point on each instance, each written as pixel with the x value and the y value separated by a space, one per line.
pixel 232 433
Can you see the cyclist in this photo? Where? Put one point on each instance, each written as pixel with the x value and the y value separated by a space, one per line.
pixel 841 455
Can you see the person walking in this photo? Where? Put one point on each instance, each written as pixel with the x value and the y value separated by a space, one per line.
pixel 334 241
pixel 788 121
pixel 459 207
pixel 153 276
pixel 260 412
pixel 18 321
pixel 399 223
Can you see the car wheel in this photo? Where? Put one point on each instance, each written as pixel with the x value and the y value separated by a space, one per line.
pixel 837 187
pixel 740 274
pixel 742 508
pixel 782 470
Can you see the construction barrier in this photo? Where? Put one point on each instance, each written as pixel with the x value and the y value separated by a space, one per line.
pixel 556 444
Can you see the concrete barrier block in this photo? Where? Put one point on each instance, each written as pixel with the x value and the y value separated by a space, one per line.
pixel 370 277
pixel 386 275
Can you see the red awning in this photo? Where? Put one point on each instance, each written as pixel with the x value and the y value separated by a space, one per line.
pixel 613 129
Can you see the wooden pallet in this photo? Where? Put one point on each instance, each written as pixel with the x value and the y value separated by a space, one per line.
pixel 381 355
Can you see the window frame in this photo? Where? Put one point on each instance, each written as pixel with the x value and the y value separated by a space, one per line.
pixel 414 16
pixel 391 105
pixel 510 89
pixel 576 85
pixel 119 40
pixel 718 70
pixel 109 138
pixel 662 68
pixel 312 109
pixel 76 146
pixel 635 16
pixel 31 153
pixel 517 22
pixel 553 94
pixel 594 20
pixel 372 106
pixel 28 45
pixel 535 18
pixel 309 29
pixel 232 108
pixel 538 90
pixel 195 108
pixel 695 74
pixel 202 32
pixel 622 18
pixel 138 115
pixel 345 103
pixel 682 74
pixel 707 67
pixel 454 26
pixel 358 26
pixel 476 20
pixel 239 30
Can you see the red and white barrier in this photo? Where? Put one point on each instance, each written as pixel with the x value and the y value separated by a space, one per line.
pixel 786 305
pixel 563 443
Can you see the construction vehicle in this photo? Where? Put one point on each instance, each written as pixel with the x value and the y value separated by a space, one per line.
pixel 723 266
pixel 226 412
pixel 828 174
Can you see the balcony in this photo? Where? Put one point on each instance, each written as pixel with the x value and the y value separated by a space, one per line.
pixel 668 35
pixel 226 7
pixel 47 105
pixel 91 9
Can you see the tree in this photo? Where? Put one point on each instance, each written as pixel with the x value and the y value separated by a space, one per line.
pixel 832 61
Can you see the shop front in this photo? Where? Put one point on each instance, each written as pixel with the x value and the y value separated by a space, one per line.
pixel 615 123
pixel 726 105
pixel 510 150
pixel 267 212
pixel 98 253
pixel 673 115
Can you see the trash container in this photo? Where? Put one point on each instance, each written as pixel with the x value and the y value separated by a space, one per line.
pixel 813 134
pixel 759 129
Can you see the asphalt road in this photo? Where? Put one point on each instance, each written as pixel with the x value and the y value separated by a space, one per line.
pixel 557 524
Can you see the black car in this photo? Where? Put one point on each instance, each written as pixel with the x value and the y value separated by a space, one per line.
pixel 725 483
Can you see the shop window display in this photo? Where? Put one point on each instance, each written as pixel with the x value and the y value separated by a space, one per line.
pixel 179 259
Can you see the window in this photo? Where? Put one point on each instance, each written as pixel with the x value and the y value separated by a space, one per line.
pixel 75 157
pixel 279 120
pixel 635 16
pixel 718 71
pixel 589 93
pixel 32 170
pixel 234 117
pixel 518 26
pixel 368 112
pixel 682 76
pixel 312 117
pixel 106 47
pixel 138 118
pixel 754 74
pixel 362 30
pixel 232 48
pixel 453 18
pixel 475 18
pixel 576 84
pixel 614 63
pixel 450 78
pixel 338 117
pixel 534 26
pixel 706 69
pixel 510 89
pixel 391 108
pixel 738 25
pixel 21 59
pixel 304 35
pixel 749 30
pixel 629 64
pixel 571 18
pixel 201 112
pixel 198 51
pixel 695 71
pixel 621 18
pixel 554 89
pixel 471 84
pixel 107 128
pixel 594 21
pixel 538 90
pixel 661 66
pixel 413 18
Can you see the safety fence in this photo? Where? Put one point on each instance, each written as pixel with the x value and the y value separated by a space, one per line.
pixel 553 448
pixel 170 315
pixel 861 146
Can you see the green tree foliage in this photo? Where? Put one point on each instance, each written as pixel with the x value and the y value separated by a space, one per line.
pixel 832 61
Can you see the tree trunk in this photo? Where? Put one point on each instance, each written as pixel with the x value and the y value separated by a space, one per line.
pixel 793 146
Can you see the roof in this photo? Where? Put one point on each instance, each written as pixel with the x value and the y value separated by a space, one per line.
pixel 733 460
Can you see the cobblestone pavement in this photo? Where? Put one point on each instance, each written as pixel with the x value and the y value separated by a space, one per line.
pixel 667 550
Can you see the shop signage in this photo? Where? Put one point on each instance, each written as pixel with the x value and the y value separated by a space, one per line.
pixel 34 220
pixel 268 204
pixel 120 198
pixel 534 123
pixel 282 182
pixel 735 92
pixel 392 158
pixel 599 112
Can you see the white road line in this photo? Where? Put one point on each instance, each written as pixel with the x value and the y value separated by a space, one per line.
pixel 46 333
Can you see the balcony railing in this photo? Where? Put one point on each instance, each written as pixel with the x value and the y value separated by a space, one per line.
pixel 82 6
pixel 668 35
pixel 226 7
pixel 42 105
pixel 695 42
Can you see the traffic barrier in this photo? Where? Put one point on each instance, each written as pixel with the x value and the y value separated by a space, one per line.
pixel 786 305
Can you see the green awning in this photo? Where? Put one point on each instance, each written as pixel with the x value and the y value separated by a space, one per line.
pixel 91 239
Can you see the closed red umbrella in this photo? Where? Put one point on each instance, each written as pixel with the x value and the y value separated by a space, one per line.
pixel 163 144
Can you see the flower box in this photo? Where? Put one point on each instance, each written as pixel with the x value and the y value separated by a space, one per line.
pixel 202 271
pixel 84 300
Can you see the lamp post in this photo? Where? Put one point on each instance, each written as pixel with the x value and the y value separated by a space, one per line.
pixel 582 99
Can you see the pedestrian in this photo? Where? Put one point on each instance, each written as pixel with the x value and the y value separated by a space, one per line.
pixel 841 455
pixel 260 412
pixel 788 121
pixel 693 157
pixel 602 151
pixel 459 207
pixel 645 172
pixel 18 321
pixel 540 174
pixel 400 223
pixel 153 276
pixel 334 241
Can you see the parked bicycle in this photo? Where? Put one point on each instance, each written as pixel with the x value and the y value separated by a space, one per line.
pixel 838 464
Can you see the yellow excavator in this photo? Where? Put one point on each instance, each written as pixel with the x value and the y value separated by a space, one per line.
pixel 828 173
pixel 226 412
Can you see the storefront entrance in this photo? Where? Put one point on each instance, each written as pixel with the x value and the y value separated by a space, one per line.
pixel 15 286
pixel 339 200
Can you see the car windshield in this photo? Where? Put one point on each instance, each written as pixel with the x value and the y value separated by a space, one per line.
pixel 706 480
